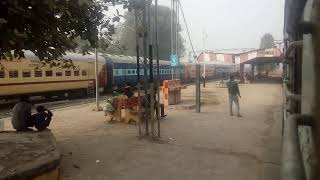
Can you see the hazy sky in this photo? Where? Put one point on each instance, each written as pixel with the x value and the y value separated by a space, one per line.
pixel 232 23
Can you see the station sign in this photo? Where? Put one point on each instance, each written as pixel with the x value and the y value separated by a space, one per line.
pixel 174 60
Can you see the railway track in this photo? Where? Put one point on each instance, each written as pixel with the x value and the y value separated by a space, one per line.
pixel 6 108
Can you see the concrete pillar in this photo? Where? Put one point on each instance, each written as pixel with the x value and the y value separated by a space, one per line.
pixel 241 73
pixel 252 70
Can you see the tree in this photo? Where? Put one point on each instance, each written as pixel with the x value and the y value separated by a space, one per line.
pixel 125 37
pixel 267 41
pixel 48 28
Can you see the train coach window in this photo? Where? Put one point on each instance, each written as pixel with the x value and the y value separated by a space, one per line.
pixel 13 74
pixel 84 73
pixel 76 73
pixel 68 73
pixel 37 73
pixel 58 73
pixel 26 73
pixel 49 73
pixel 2 74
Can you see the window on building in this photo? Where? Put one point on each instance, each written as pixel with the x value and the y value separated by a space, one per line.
pixel 2 74
pixel 48 73
pixel 84 73
pixel 68 73
pixel 26 73
pixel 13 74
pixel 58 73
pixel 129 72
pixel 37 73
pixel 76 73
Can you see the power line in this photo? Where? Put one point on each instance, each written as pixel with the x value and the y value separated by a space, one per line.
pixel 184 19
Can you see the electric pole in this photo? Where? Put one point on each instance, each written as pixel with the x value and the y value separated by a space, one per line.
pixel 204 57
pixel 98 108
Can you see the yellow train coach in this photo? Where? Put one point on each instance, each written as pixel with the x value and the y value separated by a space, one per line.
pixel 72 75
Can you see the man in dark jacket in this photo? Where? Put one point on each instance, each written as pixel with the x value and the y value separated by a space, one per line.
pixel 42 118
pixel 233 90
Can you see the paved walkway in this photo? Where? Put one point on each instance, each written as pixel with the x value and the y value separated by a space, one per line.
pixel 210 145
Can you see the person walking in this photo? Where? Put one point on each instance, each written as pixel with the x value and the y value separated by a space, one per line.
pixel 233 91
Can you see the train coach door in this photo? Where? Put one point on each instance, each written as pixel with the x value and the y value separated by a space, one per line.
pixel 109 74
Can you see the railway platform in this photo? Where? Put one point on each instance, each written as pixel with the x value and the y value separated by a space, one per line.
pixel 206 145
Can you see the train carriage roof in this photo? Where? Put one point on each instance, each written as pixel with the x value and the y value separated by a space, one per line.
pixel 129 59
pixel 101 58
pixel 69 55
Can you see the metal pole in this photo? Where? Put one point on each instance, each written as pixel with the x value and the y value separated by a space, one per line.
pixel 171 33
pixel 145 62
pixel 96 79
pixel 177 34
pixel 198 88
pixel 177 39
pixel 158 66
pixel 204 58
pixel 152 100
pixel 138 66
pixel 171 26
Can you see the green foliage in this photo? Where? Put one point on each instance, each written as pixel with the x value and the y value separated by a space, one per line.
pixel 48 28
pixel 267 41
pixel 124 41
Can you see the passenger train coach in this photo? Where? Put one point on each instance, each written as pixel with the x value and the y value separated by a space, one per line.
pixel 124 68
pixel 73 75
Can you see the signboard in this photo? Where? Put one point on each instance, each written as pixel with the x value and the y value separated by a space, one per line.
pixel 174 60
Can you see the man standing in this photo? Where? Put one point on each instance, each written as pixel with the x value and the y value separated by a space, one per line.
pixel 21 119
pixel 233 90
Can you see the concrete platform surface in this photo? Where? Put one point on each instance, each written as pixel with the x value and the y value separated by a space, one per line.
pixel 205 146
pixel 27 155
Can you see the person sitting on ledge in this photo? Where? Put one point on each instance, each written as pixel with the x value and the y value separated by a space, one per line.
pixel 21 115
pixel 42 118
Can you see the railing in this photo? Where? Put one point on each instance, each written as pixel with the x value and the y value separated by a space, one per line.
pixel 292 162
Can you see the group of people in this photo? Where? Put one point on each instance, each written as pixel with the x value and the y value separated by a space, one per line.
pixel 128 91
pixel 24 120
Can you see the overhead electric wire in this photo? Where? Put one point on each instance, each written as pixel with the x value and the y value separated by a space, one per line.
pixel 185 22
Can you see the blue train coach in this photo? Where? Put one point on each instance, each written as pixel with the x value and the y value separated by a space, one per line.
pixel 122 68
